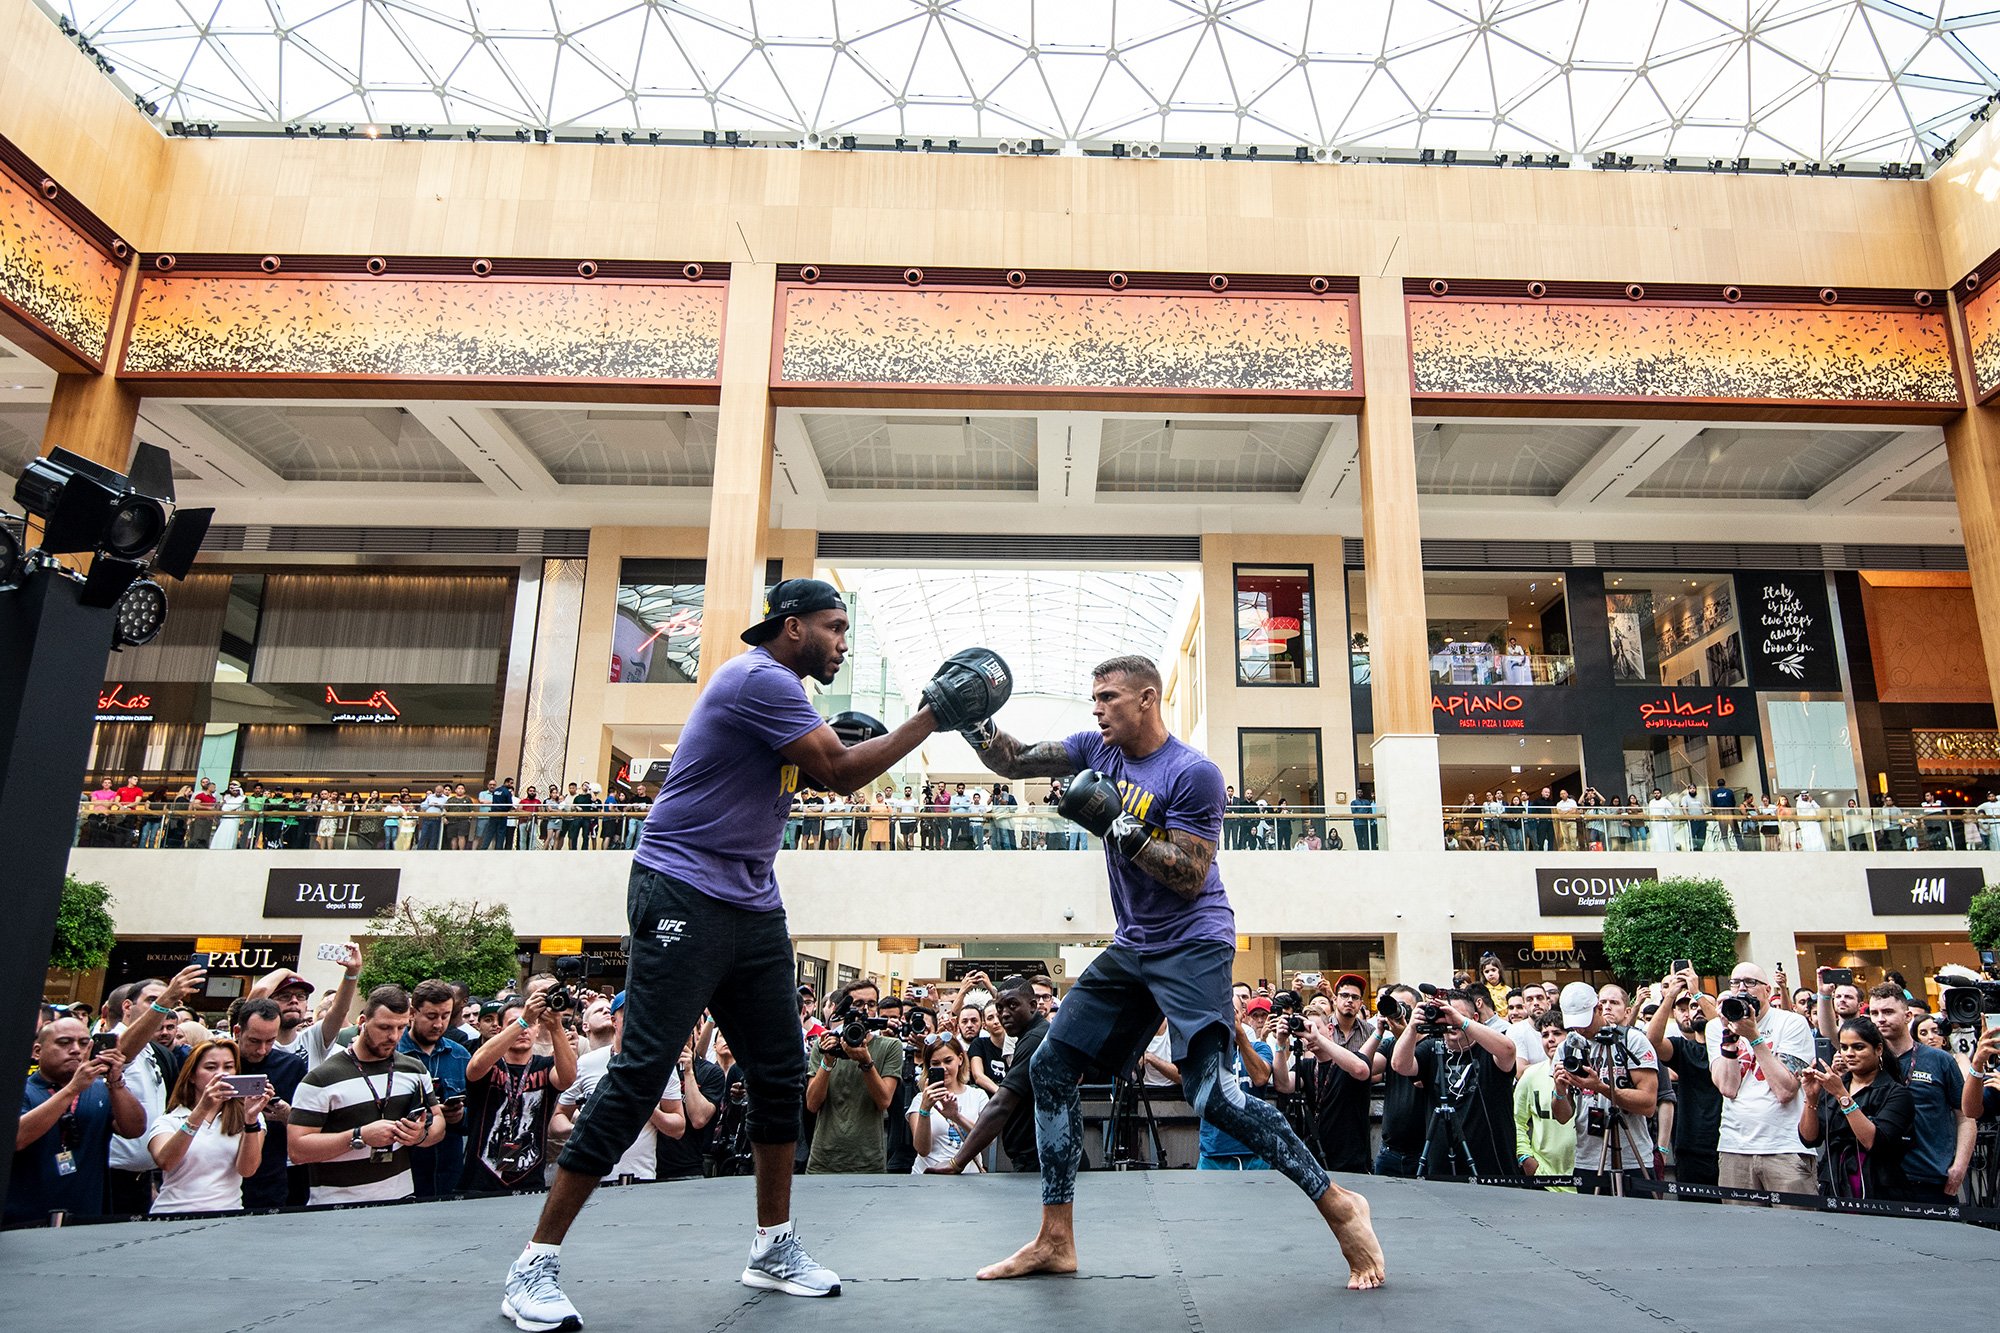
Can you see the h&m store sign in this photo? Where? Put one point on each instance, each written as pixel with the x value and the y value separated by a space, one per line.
pixel 322 892
pixel 1924 890
pixel 1574 891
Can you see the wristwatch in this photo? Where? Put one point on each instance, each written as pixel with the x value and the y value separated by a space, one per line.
pixel 357 1142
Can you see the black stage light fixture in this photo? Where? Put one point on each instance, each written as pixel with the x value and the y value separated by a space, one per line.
pixel 108 579
pixel 139 614
pixel 13 567
pixel 74 497
pixel 186 531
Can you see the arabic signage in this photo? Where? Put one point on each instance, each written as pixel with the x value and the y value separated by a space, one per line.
pixel 1690 708
pixel 1584 891
pixel 316 891
pixel 1564 710
pixel 1923 890
pixel 1788 631
pixel 352 704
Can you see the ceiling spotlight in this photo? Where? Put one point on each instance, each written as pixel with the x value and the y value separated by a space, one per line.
pixel 139 614
pixel 847 142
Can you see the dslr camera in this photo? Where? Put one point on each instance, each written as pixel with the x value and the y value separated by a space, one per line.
pixel 1735 1008
pixel 854 1027
pixel 570 970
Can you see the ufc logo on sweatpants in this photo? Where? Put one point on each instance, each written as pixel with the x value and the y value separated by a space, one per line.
pixel 669 930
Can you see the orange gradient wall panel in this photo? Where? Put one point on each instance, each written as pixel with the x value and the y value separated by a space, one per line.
pixel 487 330
pixel 52 277
pixel 1982 338
pixel 980 338
pixel 1580 350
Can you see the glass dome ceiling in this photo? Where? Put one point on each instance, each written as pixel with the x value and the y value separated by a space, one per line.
pixel 1829 81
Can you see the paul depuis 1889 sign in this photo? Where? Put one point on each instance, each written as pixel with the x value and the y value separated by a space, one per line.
pixel 313 891
pixel 1788 627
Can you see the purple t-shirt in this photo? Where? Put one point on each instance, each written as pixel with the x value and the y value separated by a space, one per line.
pixel 1175 787
pixel 720 814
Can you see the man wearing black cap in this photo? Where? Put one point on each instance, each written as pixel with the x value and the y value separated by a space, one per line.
pixel 708 928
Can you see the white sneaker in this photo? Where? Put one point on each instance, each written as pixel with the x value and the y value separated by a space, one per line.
pixel 788 1268
pixel 534 1301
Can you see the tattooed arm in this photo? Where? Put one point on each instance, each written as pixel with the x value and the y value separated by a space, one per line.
pixel 1180 861
pixel 1013 758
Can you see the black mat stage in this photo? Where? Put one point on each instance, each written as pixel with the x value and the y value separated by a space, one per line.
pixel 1162 1252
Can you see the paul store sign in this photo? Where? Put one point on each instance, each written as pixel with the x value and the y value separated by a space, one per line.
pixel 1571 891
pixel 317 892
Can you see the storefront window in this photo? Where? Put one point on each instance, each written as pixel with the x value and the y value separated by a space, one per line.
pixel 1812 748
pixel 1497 629
pixel 1274 626
pixel 656 638
pixel 1280 766
pixel 1673 629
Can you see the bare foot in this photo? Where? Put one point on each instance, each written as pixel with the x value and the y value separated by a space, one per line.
pixel 1043 1254
pixel 1349 1216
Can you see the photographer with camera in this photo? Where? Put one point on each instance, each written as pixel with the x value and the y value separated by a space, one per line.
pixel 852 1078
pixel 1980 1099
pixel 1755 1053
pixel 71 1106
pixel 511 1094
pixel 1698 1117
pixel 1337 1071
pixel 1607 1082
pixel 1465 1072
pixel 1403 1103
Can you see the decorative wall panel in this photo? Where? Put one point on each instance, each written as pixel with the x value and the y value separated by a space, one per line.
pixel 493 329
pixel 1064 340
pixel 52 277
pixel 558 627
pixel 1484 347
pixel 1982 338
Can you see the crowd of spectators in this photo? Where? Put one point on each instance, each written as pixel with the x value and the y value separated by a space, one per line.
pixel 408 1094
pixel 936 816
pixel 1721 819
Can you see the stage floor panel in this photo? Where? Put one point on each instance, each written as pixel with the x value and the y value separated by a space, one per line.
pixel 1161 1252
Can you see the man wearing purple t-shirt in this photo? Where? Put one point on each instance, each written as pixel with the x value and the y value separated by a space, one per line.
pixel 1157 803
pixel 708 928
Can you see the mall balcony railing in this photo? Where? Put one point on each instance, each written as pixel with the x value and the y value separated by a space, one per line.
pixel 1633 829
pixel 616 828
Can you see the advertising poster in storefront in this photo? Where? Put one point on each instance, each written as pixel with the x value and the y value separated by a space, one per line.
pixel 1788 628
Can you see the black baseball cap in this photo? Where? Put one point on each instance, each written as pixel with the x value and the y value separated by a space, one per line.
pixel 793 597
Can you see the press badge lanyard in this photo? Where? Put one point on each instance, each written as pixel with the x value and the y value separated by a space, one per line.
pixel 66 1154
pixel 382 1100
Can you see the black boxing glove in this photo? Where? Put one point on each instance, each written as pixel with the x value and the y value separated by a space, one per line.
pixel 854 728
pixel 968 688
pixel 981 734
pixel 1091 801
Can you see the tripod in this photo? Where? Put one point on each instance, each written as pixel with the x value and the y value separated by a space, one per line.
pixel 1131 1109
pixel 1611 1064
pixel 1446 1126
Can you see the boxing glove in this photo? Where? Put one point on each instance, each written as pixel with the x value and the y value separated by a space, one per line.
pixel 1091 800
pixel 981 734
pixel 854 728
pixel 968 688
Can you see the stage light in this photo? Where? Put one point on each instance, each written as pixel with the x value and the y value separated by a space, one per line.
pixel 121 517
pixel 13 564
pixel 139 615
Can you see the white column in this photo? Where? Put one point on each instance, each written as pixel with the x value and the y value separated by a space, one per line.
pixel 1407 791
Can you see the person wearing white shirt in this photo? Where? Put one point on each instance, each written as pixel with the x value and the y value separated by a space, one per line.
pixel 1660 828
pixel 297 1032
pixel 210 1139
pixel 641 1160
pixel 1812 829
pixel 1755 1061
pixel 946 1105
